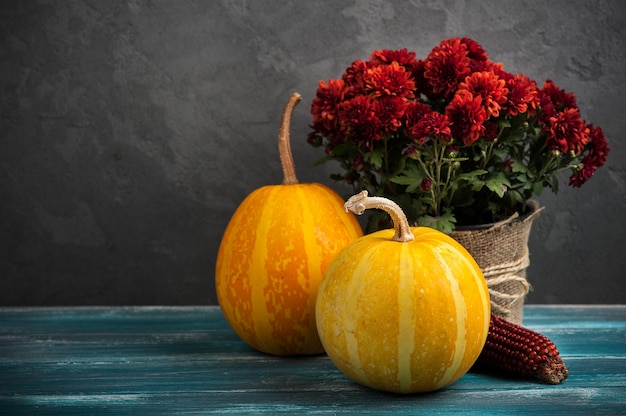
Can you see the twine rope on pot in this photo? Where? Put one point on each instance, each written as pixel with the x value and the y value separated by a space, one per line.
pixel 501 251
pixel 507 275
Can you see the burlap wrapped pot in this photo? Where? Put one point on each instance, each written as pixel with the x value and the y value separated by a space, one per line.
pixel 501 251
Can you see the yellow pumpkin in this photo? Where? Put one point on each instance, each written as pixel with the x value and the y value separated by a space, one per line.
pixel 273 254
pixel 404 310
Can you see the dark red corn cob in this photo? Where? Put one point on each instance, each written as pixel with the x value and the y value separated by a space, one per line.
pixel 519 351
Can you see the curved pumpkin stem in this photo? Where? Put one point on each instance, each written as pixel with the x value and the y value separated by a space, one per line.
pixel 358 203
pixel 284 142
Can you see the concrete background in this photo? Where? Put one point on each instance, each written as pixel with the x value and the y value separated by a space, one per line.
pixel 131 130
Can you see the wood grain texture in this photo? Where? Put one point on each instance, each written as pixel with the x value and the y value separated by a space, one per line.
pixel 186 360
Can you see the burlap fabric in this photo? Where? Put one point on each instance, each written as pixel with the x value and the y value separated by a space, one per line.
pixel 501 251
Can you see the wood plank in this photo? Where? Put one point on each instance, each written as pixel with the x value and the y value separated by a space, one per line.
pixel 186 360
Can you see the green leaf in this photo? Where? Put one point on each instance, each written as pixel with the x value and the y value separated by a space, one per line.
pixel 399 168
pixel 412 183
pixel 444 223
pixel 405 180
pixel 528 184
pixel 538 188
pixel 472 178
pixel 469 176
pixel 516 197
pixel 518 167
pixel 323 160
pixel 375 157
pixel 504 122
pixel 412 179
pixel 555 184
pixel 498 184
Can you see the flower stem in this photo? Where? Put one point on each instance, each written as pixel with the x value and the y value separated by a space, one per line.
pixel 358 203
pixel 434 180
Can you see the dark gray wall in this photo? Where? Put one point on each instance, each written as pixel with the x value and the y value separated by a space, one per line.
pixel 131 130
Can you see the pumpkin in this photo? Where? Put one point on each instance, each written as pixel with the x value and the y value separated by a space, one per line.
pixel 273 254
pixel 402 310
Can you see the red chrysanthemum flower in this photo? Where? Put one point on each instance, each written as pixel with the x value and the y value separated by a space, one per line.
pixel 479 66
pixel 585 173
pixel 595 158
pixel 426 184
pixel 599 146
pixel 326 103
pixel 490 88
pixel 391 79
pixel 387 56
pixel 446 66
pixel 508 165
pixel 559 97
pixel 554 100
pixel 353 78
pixel 316 136
pixel 431 125
pixel 358 163
pixel 402 56
pixel 498 69
pixel 466 114
pixel 567 132
pixel 358 118
pixel 415 111
pixel 522 96
pixel 445 118
pixel 491 132
pixel 474 50
pixel 421 82
pixel 390 112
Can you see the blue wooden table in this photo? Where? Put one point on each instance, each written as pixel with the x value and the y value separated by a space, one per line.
pixel 186 360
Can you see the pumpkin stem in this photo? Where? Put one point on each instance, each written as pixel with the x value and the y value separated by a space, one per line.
pixel 358 203
pixel 284 142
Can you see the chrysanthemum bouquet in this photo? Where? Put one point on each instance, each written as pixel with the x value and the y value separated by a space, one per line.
pixel 454 139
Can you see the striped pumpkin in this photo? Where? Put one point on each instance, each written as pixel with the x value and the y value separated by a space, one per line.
pixel 404 310
pixel 274 252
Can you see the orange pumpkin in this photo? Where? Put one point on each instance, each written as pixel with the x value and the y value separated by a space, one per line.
pixel 404 310
pixel 273 254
